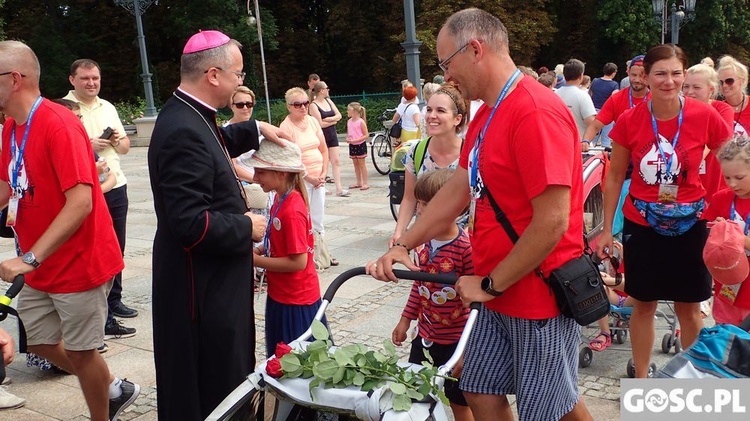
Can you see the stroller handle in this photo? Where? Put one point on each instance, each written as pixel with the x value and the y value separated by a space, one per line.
pixel 14 289
pixel 400 273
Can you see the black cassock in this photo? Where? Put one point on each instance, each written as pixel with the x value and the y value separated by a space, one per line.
pixel 204 332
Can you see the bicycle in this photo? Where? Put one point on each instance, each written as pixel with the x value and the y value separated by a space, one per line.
pixel 381 148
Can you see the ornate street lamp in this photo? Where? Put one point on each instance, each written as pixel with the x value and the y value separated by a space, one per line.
pixel 681 12
pixel 138 8
pixel 256 21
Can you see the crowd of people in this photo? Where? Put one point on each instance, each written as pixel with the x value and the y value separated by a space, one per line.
pixel 233 198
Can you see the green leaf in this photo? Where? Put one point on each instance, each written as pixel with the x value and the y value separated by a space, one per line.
pixel 389 347
pixel 342 358
pixel 339 375
pixel 401 403
pixel 313 384
pixel 413 394
pixel 290 363
pixel 443 398
pixel 359 379
pixel 325 370
pixel 294 374
pixel 319 330
pixel 379 357
pixel 369 385
pixel 428 356
pixel 316 347
pixel 398 388
pixel 361 361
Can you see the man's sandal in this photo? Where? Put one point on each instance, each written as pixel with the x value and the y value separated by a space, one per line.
pixel 601 344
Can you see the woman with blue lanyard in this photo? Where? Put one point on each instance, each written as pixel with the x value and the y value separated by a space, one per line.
pixel 664 233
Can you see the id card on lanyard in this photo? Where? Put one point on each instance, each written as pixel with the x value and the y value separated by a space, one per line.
pixel 668 183
pixel 16 161
pixel 474 154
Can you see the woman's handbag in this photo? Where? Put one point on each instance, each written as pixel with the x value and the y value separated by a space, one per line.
pixel 396 128
pixel 321 256
pixel 577 285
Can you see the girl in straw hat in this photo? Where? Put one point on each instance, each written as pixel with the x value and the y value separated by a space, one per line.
pixel 287 250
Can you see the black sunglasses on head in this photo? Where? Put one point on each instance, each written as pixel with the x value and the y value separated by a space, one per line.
pixel 246 104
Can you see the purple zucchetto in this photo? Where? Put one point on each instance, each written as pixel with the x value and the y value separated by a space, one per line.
pixel 205 40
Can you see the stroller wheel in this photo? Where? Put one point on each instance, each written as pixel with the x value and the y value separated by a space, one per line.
pixel 677 346
pixel 585 356
pixel 620 336
pixel 666 343
pixel 631 369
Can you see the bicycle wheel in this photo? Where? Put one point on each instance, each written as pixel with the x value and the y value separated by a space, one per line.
pixel 381 153
pixel 394 210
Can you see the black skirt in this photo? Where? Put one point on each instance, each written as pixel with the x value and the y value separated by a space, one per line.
pixel 659 267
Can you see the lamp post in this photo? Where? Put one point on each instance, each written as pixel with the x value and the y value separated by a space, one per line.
pixel 680 13
pixel 411 47
pixel 138 8
pixel 256 21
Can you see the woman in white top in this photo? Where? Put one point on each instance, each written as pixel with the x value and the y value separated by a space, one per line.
pixel 408 113
pixel 444 118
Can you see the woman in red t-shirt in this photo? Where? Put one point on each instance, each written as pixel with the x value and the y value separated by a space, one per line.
pixel 665 138
pixel 733 84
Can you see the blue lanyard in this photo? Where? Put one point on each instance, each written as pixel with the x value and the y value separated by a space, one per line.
pixel 267 237
pixel 17 157
pixel 475 156
pixel 656 135
pixel 630 97
pixel 733 215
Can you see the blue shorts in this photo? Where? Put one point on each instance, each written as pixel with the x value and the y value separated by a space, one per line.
pixel 536 360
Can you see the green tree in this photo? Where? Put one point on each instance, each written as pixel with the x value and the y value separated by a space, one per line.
pixel 629 23
pixel 720 27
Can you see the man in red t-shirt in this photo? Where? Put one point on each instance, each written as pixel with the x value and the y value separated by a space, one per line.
pixel 619 102
pixel 529 161
pixel 62 225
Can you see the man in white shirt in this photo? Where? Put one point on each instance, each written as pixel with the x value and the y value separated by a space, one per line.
pixel 579 102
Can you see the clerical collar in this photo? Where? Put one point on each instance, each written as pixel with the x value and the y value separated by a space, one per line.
pixel 197 100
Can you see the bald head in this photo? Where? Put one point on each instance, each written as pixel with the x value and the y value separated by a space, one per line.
pixel 17 56
pixel 469 24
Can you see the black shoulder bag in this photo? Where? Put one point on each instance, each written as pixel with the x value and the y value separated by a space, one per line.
pixel 577 285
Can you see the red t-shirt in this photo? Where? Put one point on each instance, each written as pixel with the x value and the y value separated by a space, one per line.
pixel 531 143
pixel 741 121
pixel 618 104
pixel 702 126
pixel 291 233
pixel 711 175
pixel 721 205
pixel 57 158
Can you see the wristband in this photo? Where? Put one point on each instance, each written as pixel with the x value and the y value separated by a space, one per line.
pixel 585 141
pixel 402 245
pixel 115 144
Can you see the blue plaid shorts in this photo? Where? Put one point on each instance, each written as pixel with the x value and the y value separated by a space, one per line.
pixel 536 360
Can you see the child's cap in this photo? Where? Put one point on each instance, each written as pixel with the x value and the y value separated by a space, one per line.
pixel 205 40
pixel 724 253
pixel 274 157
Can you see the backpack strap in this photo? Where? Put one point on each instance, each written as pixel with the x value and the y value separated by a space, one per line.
pixel 419 153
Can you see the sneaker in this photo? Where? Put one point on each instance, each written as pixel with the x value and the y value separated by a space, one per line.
pixel 102 349
pixel 7 380
pixel 130 392
pixel 115 330
pixel 123 311
pixel 9 400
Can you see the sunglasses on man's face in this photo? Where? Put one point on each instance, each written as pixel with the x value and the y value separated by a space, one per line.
pixel 729 81
pixel 246 104
pixel 300 104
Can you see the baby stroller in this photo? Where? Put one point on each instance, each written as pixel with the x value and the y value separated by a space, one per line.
pixel 722 351
pixel 6 309
pixel 293 396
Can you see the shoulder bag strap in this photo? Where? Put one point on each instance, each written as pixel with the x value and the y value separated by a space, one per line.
pixel 502 218
pixel 419 153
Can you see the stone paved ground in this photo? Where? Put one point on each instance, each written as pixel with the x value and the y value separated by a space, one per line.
pixel 363 310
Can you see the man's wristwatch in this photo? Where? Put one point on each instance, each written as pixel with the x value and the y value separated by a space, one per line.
pixel 487 287
pixel 30 259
